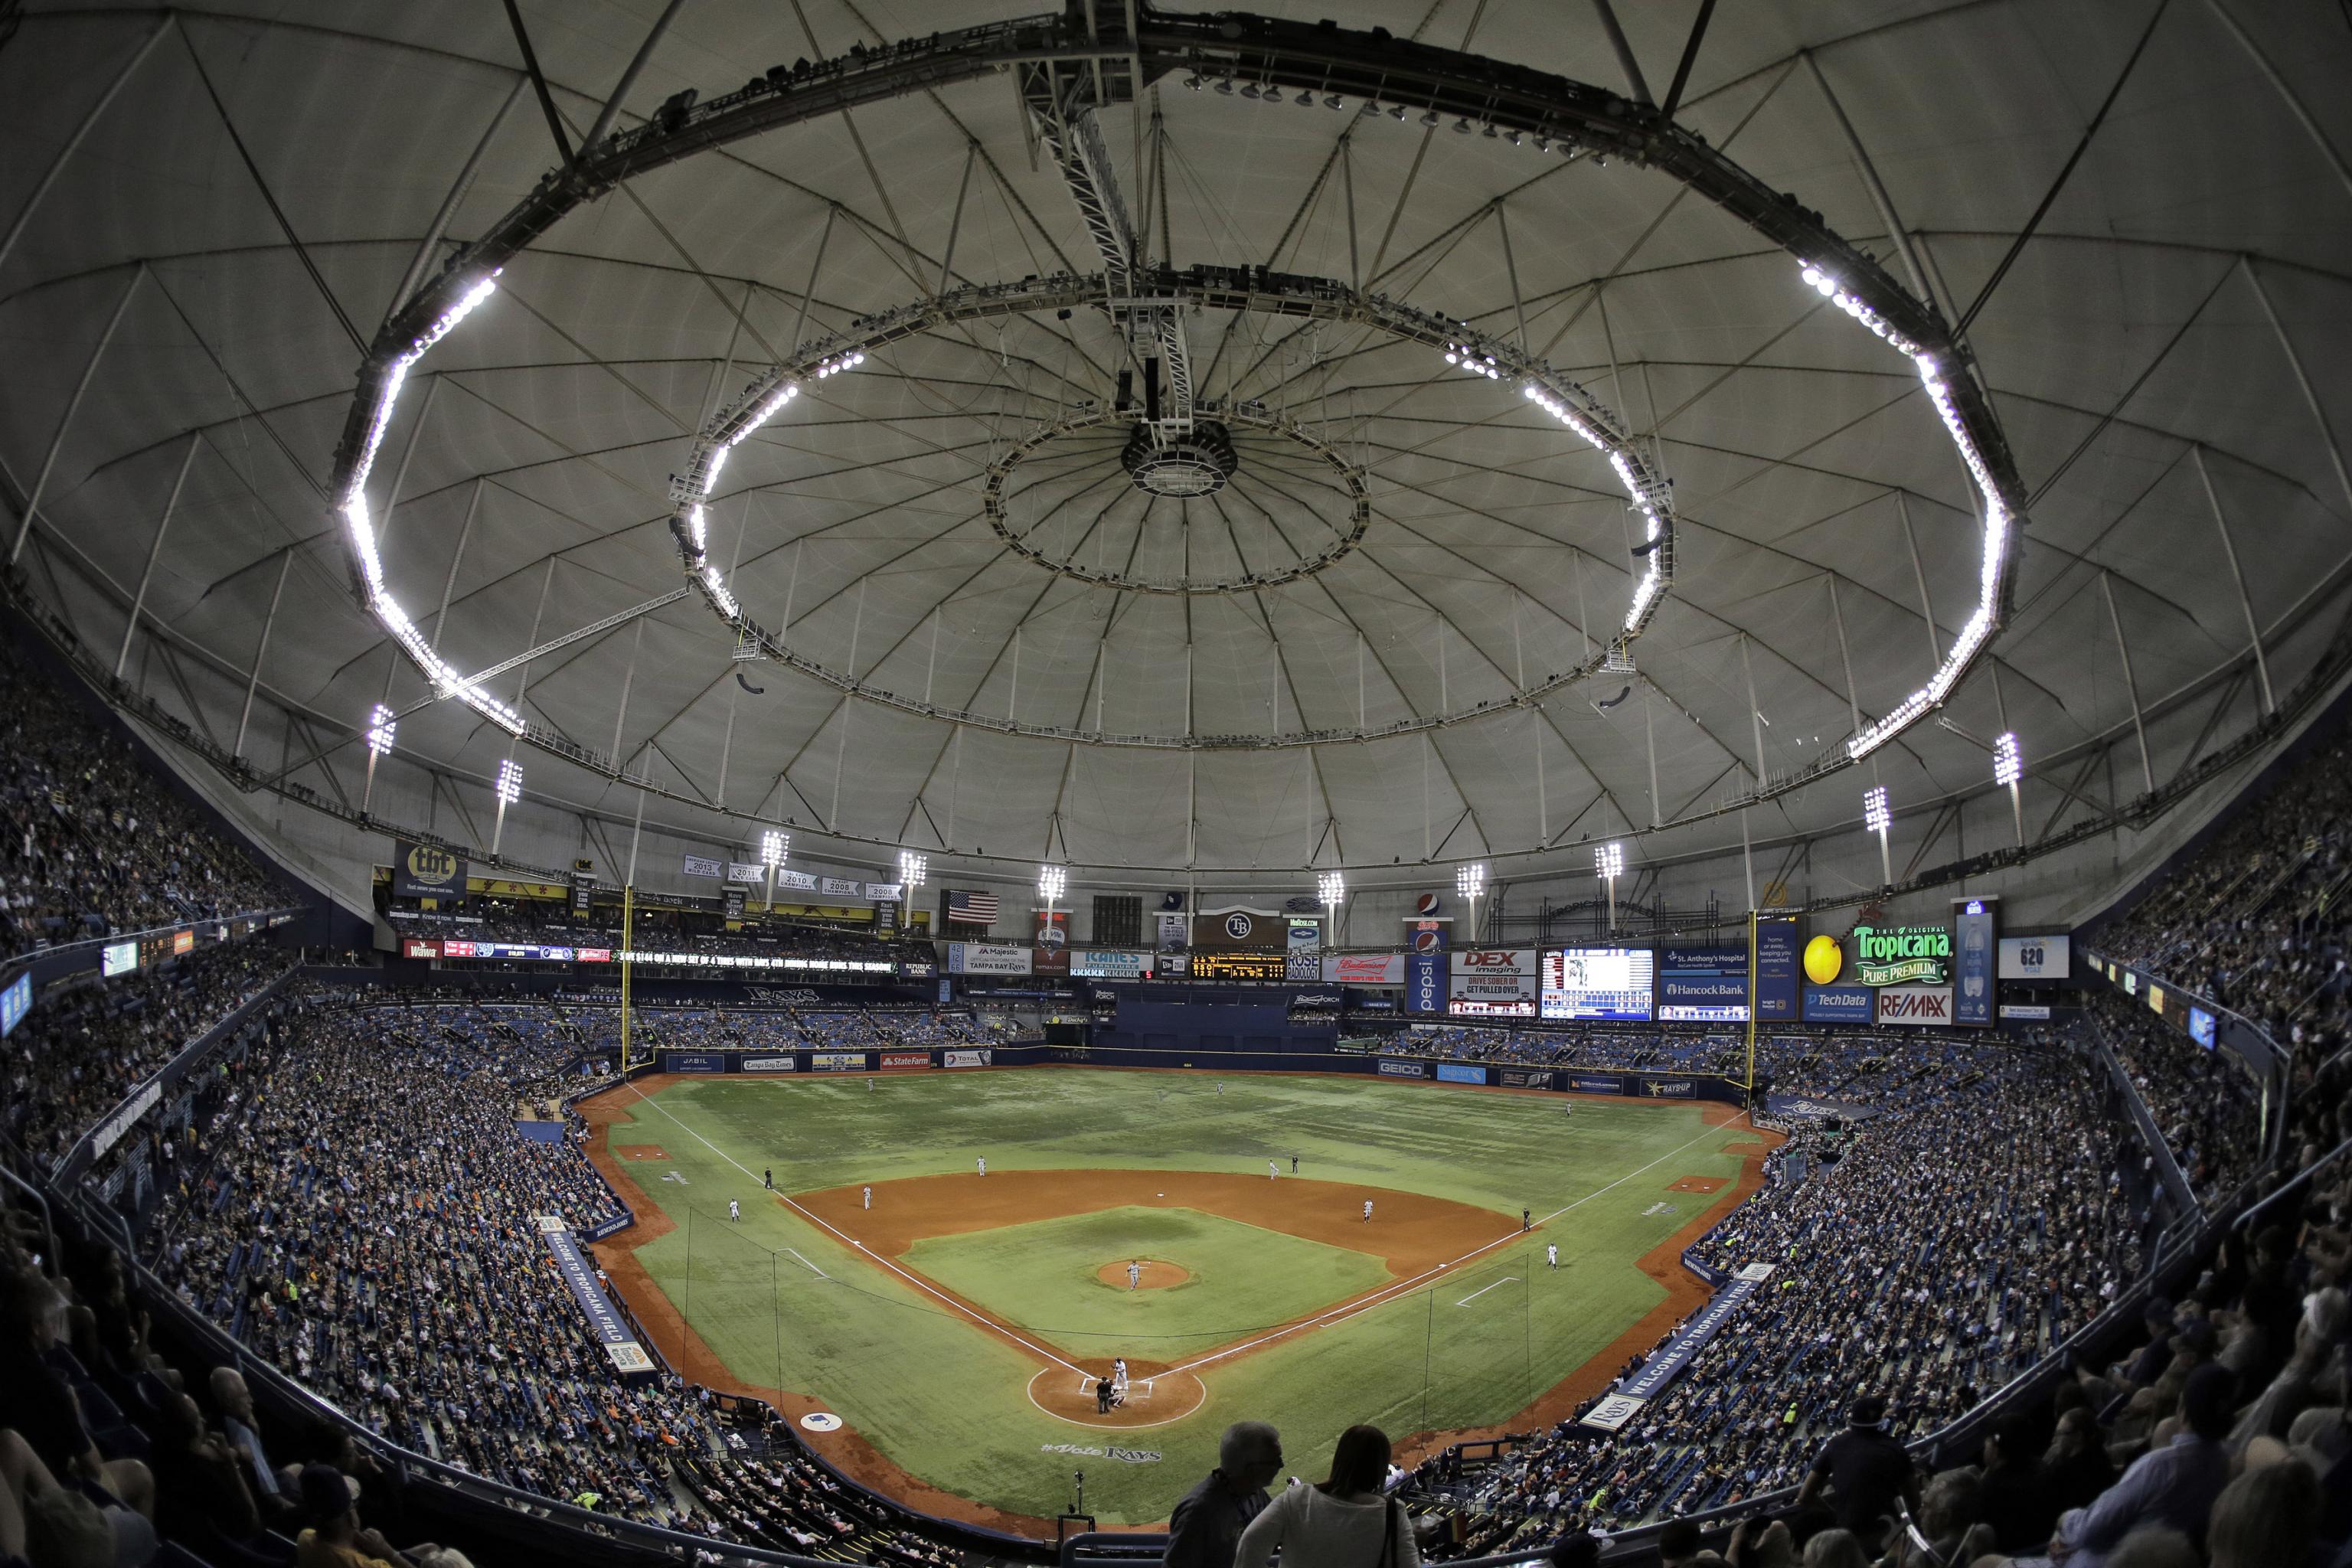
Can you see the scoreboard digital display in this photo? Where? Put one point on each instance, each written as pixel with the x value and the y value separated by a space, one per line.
pixel 1600 983
pixel 1238 967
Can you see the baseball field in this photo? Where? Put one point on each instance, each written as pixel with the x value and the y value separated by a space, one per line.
pixel 957 1324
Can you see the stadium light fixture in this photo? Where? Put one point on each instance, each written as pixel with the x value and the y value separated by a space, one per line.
pixel 1609 864
pixel 1331 890
pixel 914 870
pixel 774 847
pixel 509 790
pixel 383 723
pixel 1876 817
pixel 2008 770
pixel 1053 881
pixel 1470 881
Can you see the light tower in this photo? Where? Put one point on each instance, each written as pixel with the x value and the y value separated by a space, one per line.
pixel 1609 864
pixel 1878 819
pixel 1470 881
pixel 1330 889
pixel 2009 768
pixel 774 847
pixel 914 870
pixel 1053 881
pixel 383 723
pixel 510 790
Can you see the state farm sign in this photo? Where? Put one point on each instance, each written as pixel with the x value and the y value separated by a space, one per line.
pixel 1928 1004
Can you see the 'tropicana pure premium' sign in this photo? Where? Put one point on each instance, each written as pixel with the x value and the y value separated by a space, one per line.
pixel 1903 955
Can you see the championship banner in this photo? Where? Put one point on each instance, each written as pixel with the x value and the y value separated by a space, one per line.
pixel 1975 955
pixel 1687 1341
pixel 584 883
pixel 906 1058
pixel 704 866
pixel 839 886
pixel 1777 947
pixel 427 871
pixel 987 958
pixel 1364 969
pixel 979 1058
pixel 750 873
pixel 1456 1072
pixel 886 892
pixel 1924 1005
pixel 1493 981
pixel 836 1061
pixel 798 881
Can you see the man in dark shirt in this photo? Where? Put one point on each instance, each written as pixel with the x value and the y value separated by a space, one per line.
pixel 2015 1494
pixel 1866 1469
pixel 1205 1530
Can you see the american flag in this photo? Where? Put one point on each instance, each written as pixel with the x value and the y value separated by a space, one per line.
pixel 972 909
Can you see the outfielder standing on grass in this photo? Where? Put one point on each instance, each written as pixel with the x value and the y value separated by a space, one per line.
pixel 734 1209
pixel 1551 1253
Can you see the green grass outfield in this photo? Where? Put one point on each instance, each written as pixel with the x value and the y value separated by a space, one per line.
pixel 788 1305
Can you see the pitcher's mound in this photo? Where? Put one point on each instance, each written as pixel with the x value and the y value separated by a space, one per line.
pixel 1157 1275
pixel 1154 1398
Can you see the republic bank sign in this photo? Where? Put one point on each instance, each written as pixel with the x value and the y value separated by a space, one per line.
pixel 1903 955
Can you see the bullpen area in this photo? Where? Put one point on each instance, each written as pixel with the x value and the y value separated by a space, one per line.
pixel 958 1329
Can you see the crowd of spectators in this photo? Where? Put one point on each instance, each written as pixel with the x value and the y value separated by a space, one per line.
pixel 90 842
pixel 360 1210
pixel 78 1054
pixel 1613 1048
pixel 2255 918
pixel 663 930
pixel 1959 1237
pixel 2204 1102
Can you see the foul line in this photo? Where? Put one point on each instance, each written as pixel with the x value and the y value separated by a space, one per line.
pixel 1387 1293
pixel 853 1242
pixel 1481 1289
pixel 810 1266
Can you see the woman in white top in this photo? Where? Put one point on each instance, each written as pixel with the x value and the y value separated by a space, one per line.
pixel 1347 1522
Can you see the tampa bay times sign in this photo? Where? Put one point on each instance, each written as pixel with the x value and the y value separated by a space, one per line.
pixel 1903 955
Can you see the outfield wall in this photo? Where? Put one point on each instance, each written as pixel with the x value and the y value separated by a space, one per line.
pixel 1623 1083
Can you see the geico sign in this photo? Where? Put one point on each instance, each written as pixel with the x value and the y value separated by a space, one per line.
pixel 1488 958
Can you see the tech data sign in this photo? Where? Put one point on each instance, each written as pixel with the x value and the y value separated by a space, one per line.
pixel 1928 1004
pixel 1902 955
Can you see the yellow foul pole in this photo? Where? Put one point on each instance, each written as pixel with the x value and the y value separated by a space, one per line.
pixel 1751 1009
pixel 628 948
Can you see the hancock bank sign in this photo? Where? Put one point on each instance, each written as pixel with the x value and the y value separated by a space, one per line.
pixel 1903 955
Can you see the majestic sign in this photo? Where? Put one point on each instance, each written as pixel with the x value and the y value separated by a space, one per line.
pixel 1928 1005
pixel 1493 981
pixel 427 871
pixel 1364 969
pixel 987 958
pixel 1903 955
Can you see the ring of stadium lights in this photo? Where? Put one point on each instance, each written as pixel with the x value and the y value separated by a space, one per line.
pixel 1372 71
pixel 1348 476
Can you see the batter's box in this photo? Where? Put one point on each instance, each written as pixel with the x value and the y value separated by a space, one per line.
pixel 1700 1184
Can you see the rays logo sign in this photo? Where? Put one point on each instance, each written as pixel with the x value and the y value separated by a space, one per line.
pixel 1903 955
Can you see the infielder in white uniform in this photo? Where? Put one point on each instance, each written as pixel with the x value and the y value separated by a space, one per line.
pixel 1272 1170
pixel 1367 1209
pixel 983 1164
pixel 869 1198
pixel 1551 1254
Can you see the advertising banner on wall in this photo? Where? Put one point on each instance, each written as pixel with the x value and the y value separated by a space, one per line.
pixel 768 1064
pixel 1240 929
pixel 1175 928
pixel 1493 981
pixel 979 1059
pixel 1599 982
pixel 2037 957
pixel 1364 969
pixel 1703 984
pixel 2025 1012
pixel 1926 1005
pixel 1778 944
pixel 1305 964
pixel 1049 960
pixel 1975 952
pixel 1456 1072
pixel 1424 983
pixel 418 947
pixel 906 1058
pixel 1592 1083
pixel 427 871
pixel 1427 936
pixel 1391 1067
pixel 1840 1005
pixel 987 958
pixel 1304 933
pixel 836 1061
pixel 1101 964
pixel 1525 1077
pixel 1902 955
pixel 1052 927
